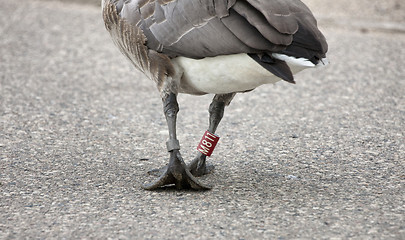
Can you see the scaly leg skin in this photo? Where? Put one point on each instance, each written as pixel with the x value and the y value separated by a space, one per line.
pixel 198 166
pixel 176 171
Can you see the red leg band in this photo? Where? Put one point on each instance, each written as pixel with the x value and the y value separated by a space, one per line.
pixel 208 143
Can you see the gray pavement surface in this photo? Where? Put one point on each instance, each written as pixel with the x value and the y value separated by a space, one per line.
pixel 322 159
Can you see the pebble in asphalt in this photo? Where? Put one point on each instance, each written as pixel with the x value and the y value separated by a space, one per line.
pixel 80 127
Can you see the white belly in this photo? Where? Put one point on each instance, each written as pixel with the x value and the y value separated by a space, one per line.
pixel 222 74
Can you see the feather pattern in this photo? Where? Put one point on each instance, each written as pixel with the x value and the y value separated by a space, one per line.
pixel 185 27
pixel 132 43
pixel 205 28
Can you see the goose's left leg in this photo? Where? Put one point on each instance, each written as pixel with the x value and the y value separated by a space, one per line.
pixel 176 171
pixel 198 166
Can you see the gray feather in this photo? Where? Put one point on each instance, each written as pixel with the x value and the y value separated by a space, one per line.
pixel 207 28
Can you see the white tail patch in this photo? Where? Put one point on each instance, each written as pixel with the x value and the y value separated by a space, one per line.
pixel 299 62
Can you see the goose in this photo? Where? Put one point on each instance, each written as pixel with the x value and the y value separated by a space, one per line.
pixel 220 47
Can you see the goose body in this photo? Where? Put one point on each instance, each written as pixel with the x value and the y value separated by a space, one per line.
pixel 220 47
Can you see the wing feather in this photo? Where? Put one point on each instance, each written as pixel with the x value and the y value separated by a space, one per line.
pixel 248 34
pixel 257 19
pixel 279 13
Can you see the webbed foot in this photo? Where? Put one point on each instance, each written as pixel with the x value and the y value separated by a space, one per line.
pixel 176 173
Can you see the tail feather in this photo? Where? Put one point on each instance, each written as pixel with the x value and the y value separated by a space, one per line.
pixel 275 66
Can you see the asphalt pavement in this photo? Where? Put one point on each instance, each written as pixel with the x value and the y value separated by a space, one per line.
pixel 80 127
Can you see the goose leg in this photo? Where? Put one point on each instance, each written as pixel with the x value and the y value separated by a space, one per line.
pixel 176 171
pixel 198 166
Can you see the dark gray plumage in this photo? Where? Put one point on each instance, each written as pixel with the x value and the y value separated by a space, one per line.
pixel 234 26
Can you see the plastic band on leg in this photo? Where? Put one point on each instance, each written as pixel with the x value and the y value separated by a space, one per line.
pixel 208 143
pixel 173 144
